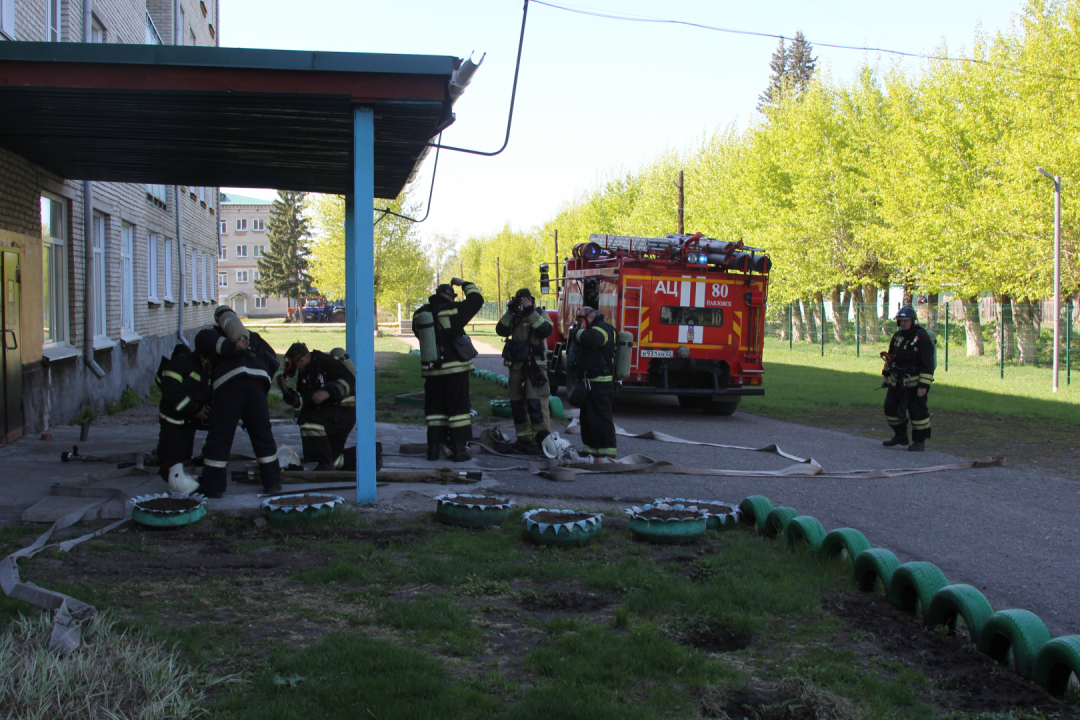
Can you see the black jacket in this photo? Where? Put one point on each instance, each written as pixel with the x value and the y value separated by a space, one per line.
pixel 523 329
pixel 325 372
pixel 913 358
pixel 450 321
pixel 258 361
pixel 185 388
pixel 595 354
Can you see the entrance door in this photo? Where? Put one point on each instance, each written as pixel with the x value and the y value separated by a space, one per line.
pixel 12 353
pixel 239 306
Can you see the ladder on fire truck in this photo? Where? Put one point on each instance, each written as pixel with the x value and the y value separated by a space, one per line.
pixel 635 329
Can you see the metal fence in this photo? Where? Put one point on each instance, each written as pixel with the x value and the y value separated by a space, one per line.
pixel 985 332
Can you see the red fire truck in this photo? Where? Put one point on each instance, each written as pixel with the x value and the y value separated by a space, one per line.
pixel 695 307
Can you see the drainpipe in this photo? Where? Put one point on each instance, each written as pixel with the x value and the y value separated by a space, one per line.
pixel 178 28
pixel 88 237
pixel 182 255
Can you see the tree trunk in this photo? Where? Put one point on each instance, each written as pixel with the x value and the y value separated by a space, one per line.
pixel 823 321
pixel 885 311
pixel 299 310
pixel 798 329
pixel 973 328
pixel 812 322
pixel 909 293
pixel 1024 317
pixel 871 319
pixel 841 305
pixel 859 299
pixel 932 312
pixel 1006 331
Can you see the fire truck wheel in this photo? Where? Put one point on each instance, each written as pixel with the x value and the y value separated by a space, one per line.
pixel 691 401
pixel 338 317
pixel 717 407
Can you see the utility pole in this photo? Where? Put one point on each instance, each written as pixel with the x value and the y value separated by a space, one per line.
pixel 498 279
pixel 679 185
pixel 556 236
pixel 1057 271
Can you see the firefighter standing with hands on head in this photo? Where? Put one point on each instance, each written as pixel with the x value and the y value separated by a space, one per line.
pixel 242 365
pixel 326 396
pixel 525 328
pixel 908 373
pixel 446 354
pixel 594 365
pixel 186 394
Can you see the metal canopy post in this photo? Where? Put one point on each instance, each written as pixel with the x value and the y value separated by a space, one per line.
pixel 360 297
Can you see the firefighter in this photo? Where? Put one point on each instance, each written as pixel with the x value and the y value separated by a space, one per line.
pixel 326 396
pixel 525 329
pixel 908 373
pixel 594 363
pixel 241 378
pixel 446 379
pixel 186 394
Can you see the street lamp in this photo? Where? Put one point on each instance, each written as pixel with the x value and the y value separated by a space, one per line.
pixel 1057 270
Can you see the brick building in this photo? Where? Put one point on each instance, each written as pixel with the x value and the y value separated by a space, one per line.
pixel 152 276
pixel 243 241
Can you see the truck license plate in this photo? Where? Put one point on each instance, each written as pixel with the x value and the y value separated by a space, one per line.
pixel 658 353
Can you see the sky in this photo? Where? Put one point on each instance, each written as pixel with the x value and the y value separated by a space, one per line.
pixel 596 97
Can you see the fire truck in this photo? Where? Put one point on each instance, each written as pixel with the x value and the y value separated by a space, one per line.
pixel 694 306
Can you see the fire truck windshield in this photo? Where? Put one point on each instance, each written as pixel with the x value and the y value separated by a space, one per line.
pixel 699 317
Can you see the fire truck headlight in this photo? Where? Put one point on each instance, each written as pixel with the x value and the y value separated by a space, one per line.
pixel 683 352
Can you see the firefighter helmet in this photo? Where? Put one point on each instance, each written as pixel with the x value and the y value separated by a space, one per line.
pixel 906 313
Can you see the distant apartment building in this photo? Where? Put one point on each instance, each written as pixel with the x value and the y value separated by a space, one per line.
pixel 243 242
pixel 151 278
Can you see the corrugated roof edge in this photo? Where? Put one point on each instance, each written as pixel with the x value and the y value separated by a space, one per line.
pixel 194 56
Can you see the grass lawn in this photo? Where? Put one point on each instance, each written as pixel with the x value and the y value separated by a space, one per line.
pixel 401 376
pixel 974 412
pixel 369 616
pixel 321 338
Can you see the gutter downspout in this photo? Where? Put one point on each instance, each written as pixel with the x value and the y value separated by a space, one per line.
pixel 88 237
pixel 181 254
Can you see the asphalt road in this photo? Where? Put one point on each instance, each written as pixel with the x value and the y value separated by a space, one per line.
pixel 1011 534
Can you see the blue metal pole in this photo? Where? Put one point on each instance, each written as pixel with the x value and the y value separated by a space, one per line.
pixel 360 294
pixel 946 336
pixel 858 324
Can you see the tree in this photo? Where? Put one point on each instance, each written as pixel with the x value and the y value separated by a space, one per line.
pixel 283 269
pixel 779 66
pixel 801 62
pixel 791 68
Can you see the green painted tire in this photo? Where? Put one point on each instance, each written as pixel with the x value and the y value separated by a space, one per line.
pixel 913 586
pixel 1056 660
pixel 754 510
pixel 555 408
pixel 1021 631
pixel 805 530
pixel 501 408
pixel 471 517
pixel 843 540
pixel 954 601
pixel 544 533
pixel 872 564
pixel 179 519
pixel 777 520
pixel 668 533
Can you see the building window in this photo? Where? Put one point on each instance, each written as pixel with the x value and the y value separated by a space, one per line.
pixel 151 267
pixel 258 225
pixel 223 253
pixel 99 276
pixel 241 276
pixel 7 19
pixel 258 249
pixel 256 275
pixel 166 266
pixel 223 228
pixel 260 303
pixel 241 251
pixel 223 279
pixel 153 37
pixel 54 268
pixel 194 275
pixel 202 195
pixel 241 224
pixel 127 277
pixel 202 278
pixel 97 32
pixel 52 20
pixel 158 193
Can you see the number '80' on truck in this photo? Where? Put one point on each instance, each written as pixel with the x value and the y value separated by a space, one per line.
pixel 693 306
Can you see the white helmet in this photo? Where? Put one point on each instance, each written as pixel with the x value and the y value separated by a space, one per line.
pixel 180 483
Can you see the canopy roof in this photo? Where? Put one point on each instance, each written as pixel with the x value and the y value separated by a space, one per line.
pixel 206 116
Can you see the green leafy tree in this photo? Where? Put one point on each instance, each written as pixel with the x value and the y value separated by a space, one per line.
pixel 283 269
pixel 792 68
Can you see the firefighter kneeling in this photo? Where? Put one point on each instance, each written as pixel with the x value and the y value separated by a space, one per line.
pixel 326 396
pixel 185 407
pixel 909 370
pixel 525 329
pixel 594 368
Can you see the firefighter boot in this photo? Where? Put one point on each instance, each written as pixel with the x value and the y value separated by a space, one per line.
pixel 898 439
pixel 916 446
pixel 460 454
pixel 433 451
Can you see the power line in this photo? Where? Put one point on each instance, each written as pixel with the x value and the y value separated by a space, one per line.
pixel 774 36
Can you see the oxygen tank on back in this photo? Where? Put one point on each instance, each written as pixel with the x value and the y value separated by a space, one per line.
pixel 424 328
pixel 230 324
pixel 340 354
pixel 624 347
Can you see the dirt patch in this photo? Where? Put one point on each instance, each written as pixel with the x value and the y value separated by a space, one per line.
pixel 563 600
pixel 554 518
pixel 789 700
pixel 714 636
pixel 658 514
pixel 168 504
pixel 966 679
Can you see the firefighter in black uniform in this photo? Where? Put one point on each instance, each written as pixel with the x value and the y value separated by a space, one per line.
pixel 594 363
pixel 446 381
pixel 241 376
pixel 908 373
pixel 525 328
pixel 186 394
pixel 326 395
